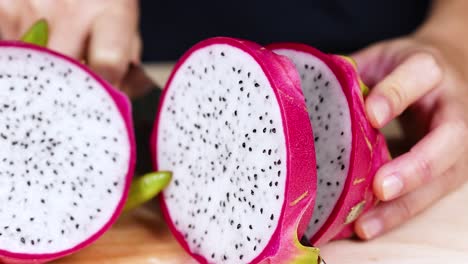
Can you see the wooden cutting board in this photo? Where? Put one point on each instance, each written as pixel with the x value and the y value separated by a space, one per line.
pixel 439 235
pixel 140 236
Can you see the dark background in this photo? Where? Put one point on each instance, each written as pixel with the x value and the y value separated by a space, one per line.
pixel 171 27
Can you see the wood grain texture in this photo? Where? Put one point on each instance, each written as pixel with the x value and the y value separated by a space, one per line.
pixel 439 235
pixel 140 236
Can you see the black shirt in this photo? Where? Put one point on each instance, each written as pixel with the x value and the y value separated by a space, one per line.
pixel 171 27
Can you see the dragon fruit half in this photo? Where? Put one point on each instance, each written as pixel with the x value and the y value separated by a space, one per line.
pixel 234 130
pixel 348 149
pixel 66 154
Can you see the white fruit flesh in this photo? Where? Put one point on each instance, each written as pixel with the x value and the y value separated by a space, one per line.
pixel 221 134
pixel 64 153
pixel 331 122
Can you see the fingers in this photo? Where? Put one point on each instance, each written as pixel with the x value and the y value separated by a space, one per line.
pixel 413 78
pixel 110 46
pixel 429 158
pixel 10 27
pixel 366 59
pixel 388 215
pixel 67 38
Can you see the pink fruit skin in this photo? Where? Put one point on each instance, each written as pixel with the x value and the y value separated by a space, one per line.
pixel 368 152
pixel 123 104
pixel 301 182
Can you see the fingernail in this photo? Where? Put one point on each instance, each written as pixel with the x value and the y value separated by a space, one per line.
pixel 380 109
pixel 371 227
pixel 391 187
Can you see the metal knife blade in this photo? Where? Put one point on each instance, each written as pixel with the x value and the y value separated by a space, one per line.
pixel 144 94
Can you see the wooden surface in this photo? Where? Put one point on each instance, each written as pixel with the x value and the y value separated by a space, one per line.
pixel 439 235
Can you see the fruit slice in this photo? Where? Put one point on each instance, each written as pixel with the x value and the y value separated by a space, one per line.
pixel 348 149
pixel 234 130
pixel 67 154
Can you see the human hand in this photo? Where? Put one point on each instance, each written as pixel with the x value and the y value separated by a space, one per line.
pixel 422 83
pixel 104 33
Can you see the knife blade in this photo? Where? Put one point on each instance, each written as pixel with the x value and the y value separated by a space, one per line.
pixel 144 94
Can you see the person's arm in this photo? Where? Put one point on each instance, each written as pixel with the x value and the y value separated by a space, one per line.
pixel 422 79
pixel 104 33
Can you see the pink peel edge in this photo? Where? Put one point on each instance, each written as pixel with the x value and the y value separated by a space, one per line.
pixel 255 51
pixel 335 227
pixel 123 105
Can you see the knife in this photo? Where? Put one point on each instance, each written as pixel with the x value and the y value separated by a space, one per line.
pixel 144 94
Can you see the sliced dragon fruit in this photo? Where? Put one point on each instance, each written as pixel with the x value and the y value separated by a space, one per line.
pixel 66 154
pixel 234 130
pixel 348 149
